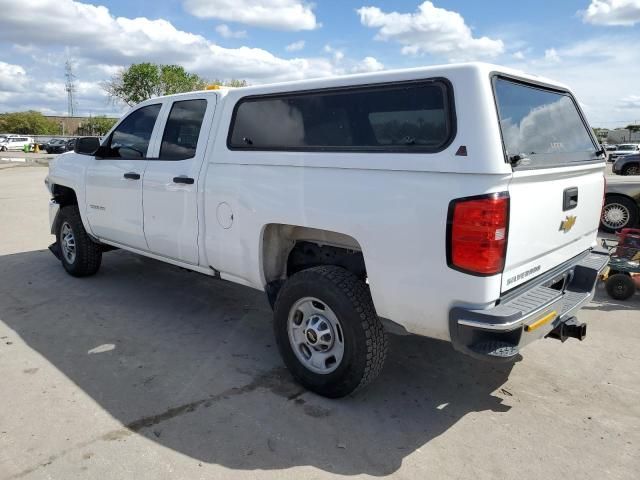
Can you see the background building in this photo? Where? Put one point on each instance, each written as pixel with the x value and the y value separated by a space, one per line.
pixel 623 135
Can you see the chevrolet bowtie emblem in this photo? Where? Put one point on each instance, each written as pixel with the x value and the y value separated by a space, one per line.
pixel 568 223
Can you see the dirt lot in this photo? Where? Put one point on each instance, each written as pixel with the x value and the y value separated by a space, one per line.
pixel 148 371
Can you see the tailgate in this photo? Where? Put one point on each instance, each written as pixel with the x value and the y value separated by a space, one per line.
pixel 557 186
pixel 554 216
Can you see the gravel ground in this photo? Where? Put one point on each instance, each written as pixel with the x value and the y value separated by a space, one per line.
pixel 148 371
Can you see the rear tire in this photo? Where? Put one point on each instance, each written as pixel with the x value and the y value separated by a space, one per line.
pixel 618 213
pixel 620 286
pixel 327 313
pixel 80 256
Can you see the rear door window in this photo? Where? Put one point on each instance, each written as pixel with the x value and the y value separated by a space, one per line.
pixel 182 130
pixel 541 127
pixel 409 117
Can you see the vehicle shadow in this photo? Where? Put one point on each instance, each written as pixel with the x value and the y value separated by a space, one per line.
pixel 190 363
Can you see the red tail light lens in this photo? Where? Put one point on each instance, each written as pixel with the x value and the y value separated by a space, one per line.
pixel 477 231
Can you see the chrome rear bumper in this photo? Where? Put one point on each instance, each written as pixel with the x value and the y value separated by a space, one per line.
pixel 529 313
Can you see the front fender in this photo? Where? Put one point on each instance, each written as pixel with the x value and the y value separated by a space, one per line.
pixel 69 170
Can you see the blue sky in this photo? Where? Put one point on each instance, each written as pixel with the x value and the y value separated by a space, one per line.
pixel 589 44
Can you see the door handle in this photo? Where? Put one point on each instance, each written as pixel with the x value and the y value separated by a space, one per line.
pixel 570 199
pixel 184 180
pixel 132 176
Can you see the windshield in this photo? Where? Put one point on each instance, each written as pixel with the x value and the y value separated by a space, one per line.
pixel 540 127
pixel 627 147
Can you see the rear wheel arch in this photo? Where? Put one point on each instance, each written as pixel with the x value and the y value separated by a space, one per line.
pixel 288 249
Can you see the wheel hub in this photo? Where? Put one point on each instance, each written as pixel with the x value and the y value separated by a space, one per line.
pixel 315 335
pixel 319 334
pixel 68 243
pixel 615 215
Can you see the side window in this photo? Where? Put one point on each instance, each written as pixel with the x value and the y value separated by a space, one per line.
pixel 131 139
pixel 405 117
pixel 182 131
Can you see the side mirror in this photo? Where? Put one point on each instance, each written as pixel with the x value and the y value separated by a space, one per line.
pixel 87 145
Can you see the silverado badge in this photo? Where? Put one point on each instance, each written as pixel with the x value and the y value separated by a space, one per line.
pixel 568 223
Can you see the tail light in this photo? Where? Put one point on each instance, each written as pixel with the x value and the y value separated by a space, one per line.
pixel 477 231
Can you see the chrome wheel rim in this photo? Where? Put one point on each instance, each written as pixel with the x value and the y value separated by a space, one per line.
pixel 315 335
pixel 68 243
pixel 633 170
pixel 615 216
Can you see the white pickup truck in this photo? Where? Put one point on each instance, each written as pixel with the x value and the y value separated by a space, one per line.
pixel 458 202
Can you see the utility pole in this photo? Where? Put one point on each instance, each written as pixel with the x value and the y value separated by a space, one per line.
pixel 70 87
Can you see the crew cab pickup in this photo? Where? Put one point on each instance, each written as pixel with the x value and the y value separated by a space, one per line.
pixel 458 202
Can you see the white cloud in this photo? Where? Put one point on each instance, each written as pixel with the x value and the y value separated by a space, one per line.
pixel 586 67
pixel 226 32
pixel 50 98
pixel 275 14
pixel 612 12
pixel 430 30
pixel 101 44
pixel 367 64
pixel 13 78
pixel 551 55
pixel 100 37
pixel 519 55
pixel 295 46
pixel 631 101
pixel 338 55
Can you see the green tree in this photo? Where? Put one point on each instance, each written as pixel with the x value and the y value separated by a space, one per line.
pixel 175 79
pixel 28 123
pixel 142 81
pixel 96 125
pixel 633 128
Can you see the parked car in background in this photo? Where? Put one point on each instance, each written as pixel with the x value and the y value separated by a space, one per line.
pixel 49 143
pixel 621 205
pixel 627 165
pixel 15 143
pixel 610 148
pixel 60 145
pixel 624 149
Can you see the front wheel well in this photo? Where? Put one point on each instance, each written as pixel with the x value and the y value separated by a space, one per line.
pixel 65 196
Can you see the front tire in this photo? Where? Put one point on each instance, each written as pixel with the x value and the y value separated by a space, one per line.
pixel 618 213
pixel 80 256
pixel 328 332
pixel 620 286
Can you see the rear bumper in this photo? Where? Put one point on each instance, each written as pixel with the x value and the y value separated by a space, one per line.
pixel 531 312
